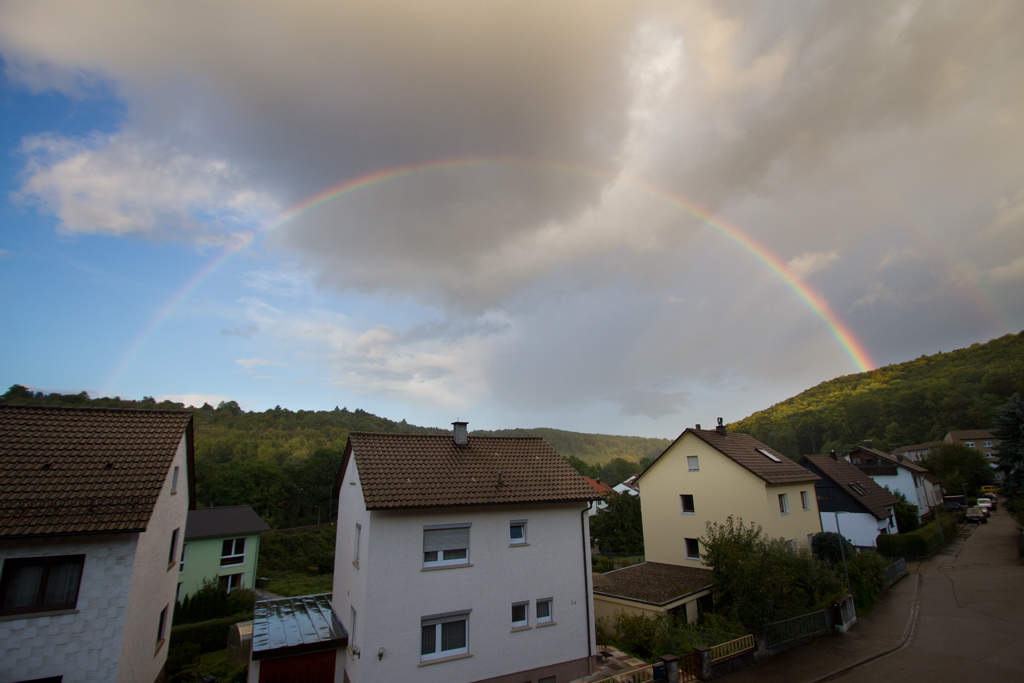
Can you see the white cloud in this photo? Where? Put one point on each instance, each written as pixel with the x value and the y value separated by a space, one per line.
pixel 250 363
pixel 117 185
pixel 807 263
pixel 1011 272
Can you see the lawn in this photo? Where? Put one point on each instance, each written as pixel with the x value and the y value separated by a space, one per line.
pixel 289 584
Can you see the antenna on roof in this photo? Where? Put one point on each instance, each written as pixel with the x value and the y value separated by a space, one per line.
pixel 720 428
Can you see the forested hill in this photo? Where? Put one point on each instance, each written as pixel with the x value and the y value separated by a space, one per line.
pixel 283 462
pixel 902 404
pixel 593 449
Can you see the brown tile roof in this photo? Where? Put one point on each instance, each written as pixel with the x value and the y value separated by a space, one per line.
pixel 652 583
pixel 845 474
pixel 86 470
pixel 919 447
pixel 971 434
pixel 602 488
pixel 421 470
pixel 230 520
pixel 743 450
pixel 895 460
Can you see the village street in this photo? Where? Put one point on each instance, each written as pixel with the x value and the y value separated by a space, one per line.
pixel 956 617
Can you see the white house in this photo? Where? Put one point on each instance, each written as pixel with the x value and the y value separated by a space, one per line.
pixel 93 505
pixel 462 559
pixel 629 486
pixel 896 473
pixel 850 502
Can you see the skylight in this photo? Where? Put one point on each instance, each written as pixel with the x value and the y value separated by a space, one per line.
pixel 769 455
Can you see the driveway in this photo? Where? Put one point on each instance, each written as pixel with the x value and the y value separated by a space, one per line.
pixel 970 622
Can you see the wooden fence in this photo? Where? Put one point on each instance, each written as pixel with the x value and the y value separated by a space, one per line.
pixel 732 647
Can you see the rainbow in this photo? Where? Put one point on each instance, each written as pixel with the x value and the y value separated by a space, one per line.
pixel 849 343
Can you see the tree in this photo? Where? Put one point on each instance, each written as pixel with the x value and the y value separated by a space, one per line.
pixel 759 579
pixel 619 528
pixel 907 518
pixel 955 463
pixel 832 547
pixel 1009 429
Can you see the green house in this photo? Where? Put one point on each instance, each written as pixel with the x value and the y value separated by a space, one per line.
pixel 221 543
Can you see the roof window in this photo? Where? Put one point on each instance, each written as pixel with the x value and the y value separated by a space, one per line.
pixel 768 455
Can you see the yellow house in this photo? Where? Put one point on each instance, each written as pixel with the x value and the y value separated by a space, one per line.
pixel 707 475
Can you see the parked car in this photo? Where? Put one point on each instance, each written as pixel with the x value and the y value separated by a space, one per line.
pixel 956 507
pixel 987 503
pixel 976 514
pixel 989 488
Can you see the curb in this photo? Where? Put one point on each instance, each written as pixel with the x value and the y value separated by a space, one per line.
pixel 908 632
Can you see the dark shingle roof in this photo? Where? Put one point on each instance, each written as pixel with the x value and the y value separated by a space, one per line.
pixel 745 451
pixel 971 434
pixel 887 457
pixel 919 447
pixel 86 470
pixel 652 582
pixel 417 471
pixel 875 499
pixel 233 520
pixel 293 626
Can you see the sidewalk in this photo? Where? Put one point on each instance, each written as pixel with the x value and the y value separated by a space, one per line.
pixel 885 628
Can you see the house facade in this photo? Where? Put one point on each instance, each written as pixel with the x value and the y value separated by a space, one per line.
pixel 462 558
pixel 850 502
pixel 221 544
pixel 896 474
pixel 94 503
pixel 708 475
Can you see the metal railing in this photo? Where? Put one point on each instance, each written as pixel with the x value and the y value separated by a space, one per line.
pixel 808 624
pixel 641 675
pixel 732 647
pixel 895 571
pixel 689 668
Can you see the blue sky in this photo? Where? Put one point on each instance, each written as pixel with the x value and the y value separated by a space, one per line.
pixel 873 151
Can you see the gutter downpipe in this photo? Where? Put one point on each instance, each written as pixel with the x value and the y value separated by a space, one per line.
pixel 586 581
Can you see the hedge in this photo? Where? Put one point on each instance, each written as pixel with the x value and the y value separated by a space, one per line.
pixel 210 635
pixel 919 543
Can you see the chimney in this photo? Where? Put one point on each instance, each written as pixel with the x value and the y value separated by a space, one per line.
pixel 720 428
pixel 461 433
pixel 698 425
pixel 833 454
pixel 868 443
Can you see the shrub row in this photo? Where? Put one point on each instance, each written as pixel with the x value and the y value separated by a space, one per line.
pixel 919 543
pixel 210 635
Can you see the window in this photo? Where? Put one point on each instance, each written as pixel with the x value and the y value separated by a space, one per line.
pixel 174 481
pixel 445 545
pixel 805 500
pixel 172 557
pixel 544 611
pixel 768 455
pixel 444 636
pixel 177 593
pixel 184 549
pixel 352 631
pixel 359 534
pixel 784 503
pixel 791 544
pixel 517 532
pixel 520 614
pixel 549 679
pixel 692 549
pixel 987 444
pixel 161 627
pixel 231 582
pixel 40 584
pixel 232 551
pixel 692 465
pixel 970 444
pixel 686 502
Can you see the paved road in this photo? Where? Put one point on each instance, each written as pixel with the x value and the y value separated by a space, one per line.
pixel 969 622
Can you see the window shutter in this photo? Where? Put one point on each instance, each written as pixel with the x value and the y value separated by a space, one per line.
pixel 445 539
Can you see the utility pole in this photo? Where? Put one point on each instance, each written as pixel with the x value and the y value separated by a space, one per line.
pixel 842 552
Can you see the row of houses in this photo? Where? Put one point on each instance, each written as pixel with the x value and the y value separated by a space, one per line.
pixel 458 558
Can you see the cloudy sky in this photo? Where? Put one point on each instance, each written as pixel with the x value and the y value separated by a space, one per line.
pixel 616 217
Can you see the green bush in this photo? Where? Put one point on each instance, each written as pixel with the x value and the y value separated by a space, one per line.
pixel 212 602
pixel 919 543
pixel 826 545
pixel 867 577
pixel 649 637
pixel 209 636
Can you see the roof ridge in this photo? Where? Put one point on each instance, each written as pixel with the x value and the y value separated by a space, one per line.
pixel 29 406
